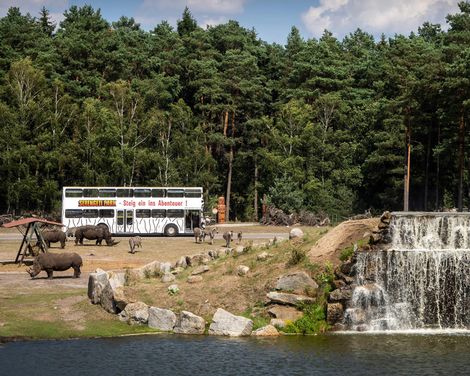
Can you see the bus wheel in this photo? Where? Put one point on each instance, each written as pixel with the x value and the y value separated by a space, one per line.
pixel 171 230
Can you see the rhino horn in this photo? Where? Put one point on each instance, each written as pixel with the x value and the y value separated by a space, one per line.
pixel 114 242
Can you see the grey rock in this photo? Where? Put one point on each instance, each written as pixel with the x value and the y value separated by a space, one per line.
pixel 279 323
pixel 200 269
pixel 168 277
pixel 285 313
pixel 135 313
pixel 290 299
pixel 299 282
pixel 341 295
pixel 189 323
pixel 165 267
pixel 263 256
pixel 242 270
pixel 194 278
pixel 296 233
pixel 161 319
pixel 226 324
pixel 266 331
pixel 239 249
pixel 334 313
pixel 181 263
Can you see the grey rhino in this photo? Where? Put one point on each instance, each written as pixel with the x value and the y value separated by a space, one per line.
pixel 53 236
pixel 97 233
pixel 56 261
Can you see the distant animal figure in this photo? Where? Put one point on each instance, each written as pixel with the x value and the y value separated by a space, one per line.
pixel 135 242
pixel 53 236
pixel 50 262
pixel 199 235
pixel 71 232
pixel 212 233
pixel 228 237
pixel 97 233
pixel 239 237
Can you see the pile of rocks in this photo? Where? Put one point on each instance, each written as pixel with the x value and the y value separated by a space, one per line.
pixel 290 290
pixel 381 235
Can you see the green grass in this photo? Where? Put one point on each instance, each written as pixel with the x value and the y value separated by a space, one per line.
pixel 312 322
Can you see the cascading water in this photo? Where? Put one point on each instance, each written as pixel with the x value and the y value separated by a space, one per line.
pixel 421 281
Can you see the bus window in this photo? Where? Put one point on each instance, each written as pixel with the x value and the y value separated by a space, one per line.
pixel 142 213
pixel 120 217
pixel 142 192
pixel 107 192
pixel 158 193
pixel 129 217
pixel 73 193
pixel 107 213
pixel 172 213
pixel 192 193
pixel 90 213
pixel 175 193
pixel 90 192
pixel 73 213
pixel 158 213
pixel 125 192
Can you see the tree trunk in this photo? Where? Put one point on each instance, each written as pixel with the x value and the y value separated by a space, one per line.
pixel 406 195
pixel 255 206
pixel 426 169
pixel 438 166
pixel 230 165
pixel 461 160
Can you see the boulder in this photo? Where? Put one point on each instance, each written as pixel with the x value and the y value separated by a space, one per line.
pixel 340 295
pixel 161 319
pixel 152 269
pixel 199 259
pixel 266 331
pixel 189 323
pixel 100 290
pixel 334 313
pixel 239 250
pixel 194 279
pixel 116 279
pixel 296 233
pixel 200 269
pixel 263 256
pixel 285 313
pixel 226 324
pixel 213 254
pixel 299 282
pixel 165 267
pixel 181 263
pixel 278 323
pixel 289 299
pixel 168 277
pixel 120 299
pixel 135 313
pixel 242 270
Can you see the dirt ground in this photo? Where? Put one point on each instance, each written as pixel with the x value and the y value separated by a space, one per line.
pixel 344 235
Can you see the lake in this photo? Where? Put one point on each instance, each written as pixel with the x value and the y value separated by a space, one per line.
pixel 332 354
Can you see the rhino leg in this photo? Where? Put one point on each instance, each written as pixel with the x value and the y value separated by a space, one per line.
pixel 49 273
pixel 62 244
pixel 76 271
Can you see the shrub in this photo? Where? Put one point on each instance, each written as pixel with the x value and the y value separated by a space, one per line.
pixel 313 320
pixel 297 255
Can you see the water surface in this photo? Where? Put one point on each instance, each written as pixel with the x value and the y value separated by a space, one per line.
pixel 335 354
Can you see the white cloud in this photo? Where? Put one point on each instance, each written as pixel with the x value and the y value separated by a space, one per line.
pixel 205 22
pixel 375 16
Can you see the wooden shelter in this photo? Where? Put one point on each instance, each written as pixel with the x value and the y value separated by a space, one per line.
pixel 30 228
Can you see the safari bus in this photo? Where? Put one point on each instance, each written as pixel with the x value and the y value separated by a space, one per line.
pixel 168 211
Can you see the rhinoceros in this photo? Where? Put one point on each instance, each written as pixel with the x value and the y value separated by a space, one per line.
pixel 53 236
pixel 97 233
pixel 51 262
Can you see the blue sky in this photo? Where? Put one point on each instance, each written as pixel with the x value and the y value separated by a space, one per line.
pixel 272 19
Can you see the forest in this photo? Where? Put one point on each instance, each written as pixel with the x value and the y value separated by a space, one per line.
pixel 325 125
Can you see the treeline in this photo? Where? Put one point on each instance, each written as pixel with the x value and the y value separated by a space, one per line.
pixel 322 125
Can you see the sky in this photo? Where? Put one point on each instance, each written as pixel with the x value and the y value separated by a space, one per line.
pixel 272 19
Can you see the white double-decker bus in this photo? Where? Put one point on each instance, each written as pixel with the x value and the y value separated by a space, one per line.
pixel 134 210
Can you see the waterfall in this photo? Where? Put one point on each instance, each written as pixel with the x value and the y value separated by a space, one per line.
pixel 421 281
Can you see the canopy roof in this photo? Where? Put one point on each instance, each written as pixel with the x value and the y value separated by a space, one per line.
pixel 26 221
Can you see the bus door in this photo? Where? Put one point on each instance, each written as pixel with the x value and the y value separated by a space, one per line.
pixel 192 219
pixel 125 221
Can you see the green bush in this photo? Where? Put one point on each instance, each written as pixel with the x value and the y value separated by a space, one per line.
pixel 297 256
pixel 313 321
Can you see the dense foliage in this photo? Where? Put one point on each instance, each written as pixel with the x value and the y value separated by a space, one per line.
pixel 321 125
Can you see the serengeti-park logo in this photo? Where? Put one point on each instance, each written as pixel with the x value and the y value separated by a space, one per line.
pixel 96 203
